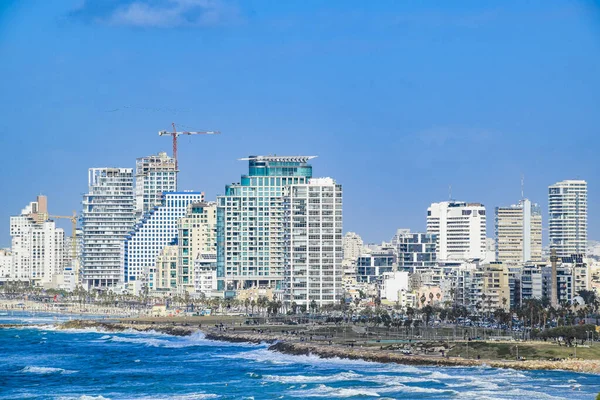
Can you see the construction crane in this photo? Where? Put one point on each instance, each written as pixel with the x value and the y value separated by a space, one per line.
pixel 73 219
pixel 175 134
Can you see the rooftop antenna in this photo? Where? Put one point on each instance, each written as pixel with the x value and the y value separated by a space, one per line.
pixel 450 192
pixel 522 186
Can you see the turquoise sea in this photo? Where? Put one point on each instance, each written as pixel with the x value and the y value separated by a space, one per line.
pixel 43 363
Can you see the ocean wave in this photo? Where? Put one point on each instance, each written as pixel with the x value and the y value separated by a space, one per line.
pixel 189 396
pixel 388 380
pixel 328 391
pixel 342 376
pixel 46 370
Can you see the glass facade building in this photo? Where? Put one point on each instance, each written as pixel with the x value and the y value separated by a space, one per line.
pixel 250 222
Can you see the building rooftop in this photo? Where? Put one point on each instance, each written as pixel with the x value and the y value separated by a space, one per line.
pixel 278 158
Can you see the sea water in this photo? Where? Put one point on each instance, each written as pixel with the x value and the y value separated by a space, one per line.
pixel 44 363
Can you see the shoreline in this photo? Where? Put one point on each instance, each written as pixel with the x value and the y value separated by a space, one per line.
pixel 293 345
pixel 382 356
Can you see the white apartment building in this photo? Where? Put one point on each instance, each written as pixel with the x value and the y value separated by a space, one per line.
pixel 107 218
pixel 518 231
pixel 155 230
pixel 154 175
pixel 37 245
pixel 197 235
pixel 353 246
pixel 460 228
pixel 6 265
pixel 313 230
pixel 205 274
pixel 567 223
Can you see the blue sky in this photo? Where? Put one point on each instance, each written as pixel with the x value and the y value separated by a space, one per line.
pixel 398 99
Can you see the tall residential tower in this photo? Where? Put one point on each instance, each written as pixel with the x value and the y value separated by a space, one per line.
pixel 518 231
pixel 154 175
pixel 107 218
pixel 567 223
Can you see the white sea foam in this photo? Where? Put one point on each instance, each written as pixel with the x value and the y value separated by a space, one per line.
pixel 343 376
pixel 46 370
pixel 189 396
pixel 329 392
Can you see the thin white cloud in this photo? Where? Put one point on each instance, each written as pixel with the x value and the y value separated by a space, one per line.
pixel 158 13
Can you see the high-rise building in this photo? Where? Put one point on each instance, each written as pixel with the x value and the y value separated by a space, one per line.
pixel 155 230
pixel 37 245
pixel 567 223
pixel 416 251
pixel 107 218
pixel 250 216
pixel 460 228
pixel 154 175
pixel 353 246
pixel 313 251
pixel 518 233
pixel 197 238
pixel 370 267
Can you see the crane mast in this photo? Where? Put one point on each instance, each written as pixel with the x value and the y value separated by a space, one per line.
pixel 176 134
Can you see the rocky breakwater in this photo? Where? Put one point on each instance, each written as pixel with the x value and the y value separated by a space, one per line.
pixel 382 356
pixel 121 327
pixel 240 337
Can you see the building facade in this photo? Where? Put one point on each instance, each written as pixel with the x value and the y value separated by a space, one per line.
pixel 416 251
pixel 197 239
pixel 155 230
pixel 353 246
pixel 108 217
pixel 154 176
pixel 165 275
pixel 314 250
pixel 371 267
pixel 37 245
pixel 567 223
pixel 460 229
pixel 518 231
pixel 250 216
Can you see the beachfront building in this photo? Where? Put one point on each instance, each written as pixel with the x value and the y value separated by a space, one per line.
pixel 518 233
pixel 154 176
pixel 107 218
pixel 250 217
pixel 567 223
pixel 197 236
pixel 313 242
pixel 165 275
pixel 6 265
pixel 155 230
pixel 37 245
pixel 460 229
pixel 205 274
pixel 416 252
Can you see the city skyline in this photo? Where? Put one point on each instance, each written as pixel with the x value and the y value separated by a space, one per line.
pixel 383 236
pixel 390 109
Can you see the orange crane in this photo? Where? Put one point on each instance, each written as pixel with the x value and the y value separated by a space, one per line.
pixel 175 134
